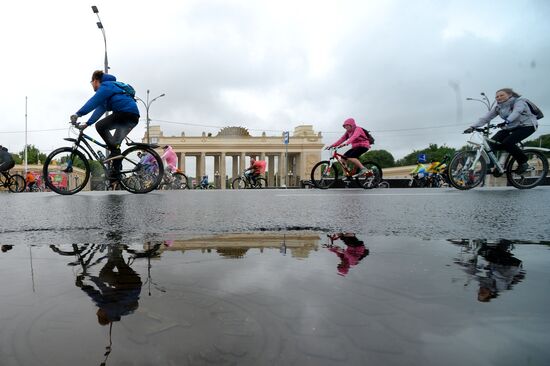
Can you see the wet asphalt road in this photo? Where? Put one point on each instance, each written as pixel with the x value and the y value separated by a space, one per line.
pixel 425 213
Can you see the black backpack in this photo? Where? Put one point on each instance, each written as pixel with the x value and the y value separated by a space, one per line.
pixel 534 109
pixel 369 136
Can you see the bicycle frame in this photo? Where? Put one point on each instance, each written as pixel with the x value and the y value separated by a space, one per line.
pixel 340 158
pixel 484 150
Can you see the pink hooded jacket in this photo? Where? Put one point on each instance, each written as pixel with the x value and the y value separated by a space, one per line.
pixel 356 137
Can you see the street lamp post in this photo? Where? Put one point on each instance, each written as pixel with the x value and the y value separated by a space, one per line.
pixel 100 26
pixel 484 100
pixel 147 104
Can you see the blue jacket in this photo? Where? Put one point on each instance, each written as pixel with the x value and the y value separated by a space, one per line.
pixel 108 97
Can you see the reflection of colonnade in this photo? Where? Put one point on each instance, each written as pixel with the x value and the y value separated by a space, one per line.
pixel 299 244
pixel 232 148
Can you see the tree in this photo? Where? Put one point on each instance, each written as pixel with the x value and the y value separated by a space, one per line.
pixel 380 157
pixel 433 153
pixel 34 155
pixel 542 141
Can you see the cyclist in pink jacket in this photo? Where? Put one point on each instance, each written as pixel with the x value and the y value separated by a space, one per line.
pixel 170 157
pixel 356 137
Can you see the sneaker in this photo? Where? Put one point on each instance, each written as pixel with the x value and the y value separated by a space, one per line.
pixel 361 172
pixel 522 168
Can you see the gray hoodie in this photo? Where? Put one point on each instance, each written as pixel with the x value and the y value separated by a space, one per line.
pixel 515 110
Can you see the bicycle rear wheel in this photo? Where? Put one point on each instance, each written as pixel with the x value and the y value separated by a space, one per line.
pixel 17 183
pixel 139 175
pixel 260 183
pixel 464 172
pixel 66 171
pixel 238 183
pixel 533 176
pixel 373 176
pixel 323 175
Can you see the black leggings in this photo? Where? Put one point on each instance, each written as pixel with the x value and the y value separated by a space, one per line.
pixel 121 122
pixel 508 140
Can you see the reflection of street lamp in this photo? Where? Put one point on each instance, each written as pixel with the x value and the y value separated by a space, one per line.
pixel 147 105
pixel 217 179
pixel 100 26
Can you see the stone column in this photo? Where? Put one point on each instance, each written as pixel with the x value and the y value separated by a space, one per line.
pixel 235 167
pixel 181 161
pixel 271 175
pixel 242 162
pixel 281 173
pixel 202 165
pixel 222 170
pixel 197 169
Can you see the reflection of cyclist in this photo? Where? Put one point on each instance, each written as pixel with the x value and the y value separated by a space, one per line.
pixel 31 180
pixel 116 289
pixel 204 181
pixel 519 123
pixel 359 144
pixel 170 157
pixel 256 168
pixel 355 251
pixel 110 96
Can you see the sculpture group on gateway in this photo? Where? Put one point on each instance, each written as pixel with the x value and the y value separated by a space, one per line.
pixel 232 147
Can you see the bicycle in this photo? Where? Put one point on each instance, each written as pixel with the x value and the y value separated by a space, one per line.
pixel 468 169
pixel 13 182
pixel 175 180
pixel 244 181
pixel 204 184
pixel 325 173
pixel 67 169
pixel 34 188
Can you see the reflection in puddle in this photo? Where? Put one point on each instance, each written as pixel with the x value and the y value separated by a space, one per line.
pixel 351 255
pixel 491 264
pixel 275 298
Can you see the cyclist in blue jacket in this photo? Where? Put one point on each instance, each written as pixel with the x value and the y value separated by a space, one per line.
pixel 110 96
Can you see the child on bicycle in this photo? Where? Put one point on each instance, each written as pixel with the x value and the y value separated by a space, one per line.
pixel 359 144
pixel 170 158
pixel 519 123
pixel 31 180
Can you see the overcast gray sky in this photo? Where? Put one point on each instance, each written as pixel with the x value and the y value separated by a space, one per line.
pixel 401 68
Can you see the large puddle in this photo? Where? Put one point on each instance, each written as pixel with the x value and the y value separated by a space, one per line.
pixel 278 298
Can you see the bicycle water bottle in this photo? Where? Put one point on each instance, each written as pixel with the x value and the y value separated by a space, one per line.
pixel 102 157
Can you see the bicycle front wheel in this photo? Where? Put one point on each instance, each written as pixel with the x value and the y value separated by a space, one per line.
pixel 180 181
pixel 465 172
pixel 66 171
pixel 323 175
pixel 373 176
pixel 17 183
pixel 142 169
pixel 238 183
pixel 533 176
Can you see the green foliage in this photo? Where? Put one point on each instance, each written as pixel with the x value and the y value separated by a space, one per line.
pixel 433 153
pixel 381 157
pixel 96 168
pixel 17 158
pixel 34 155
pixel 542 141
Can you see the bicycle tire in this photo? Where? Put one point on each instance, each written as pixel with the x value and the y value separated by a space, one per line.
pixel 461 173
pixel 56 167
pixel 239 183
pixel 371 179
pixel 137 178
pixel 17 183
pixel 180 181
pixel 531 178
pixel 321 175
pixel 260 183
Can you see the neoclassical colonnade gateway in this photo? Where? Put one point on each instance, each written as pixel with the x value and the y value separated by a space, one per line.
pixel 236 143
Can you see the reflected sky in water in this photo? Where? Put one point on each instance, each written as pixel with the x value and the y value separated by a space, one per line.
pixel 276 298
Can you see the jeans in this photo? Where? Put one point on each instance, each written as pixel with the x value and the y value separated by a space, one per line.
pixel 122 123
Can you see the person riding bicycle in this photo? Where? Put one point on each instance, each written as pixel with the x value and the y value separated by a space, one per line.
pixel 359 144
pixel 31 180
pixel 354 252
pixel 171 158
pixel 519 123
pixel 204 182
pixel 110 96
pixel 256 168
pixel 6 160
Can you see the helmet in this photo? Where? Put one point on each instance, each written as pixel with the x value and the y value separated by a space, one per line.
pixel 421 158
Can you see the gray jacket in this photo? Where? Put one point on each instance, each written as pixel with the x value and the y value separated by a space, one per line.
pixel 515 110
